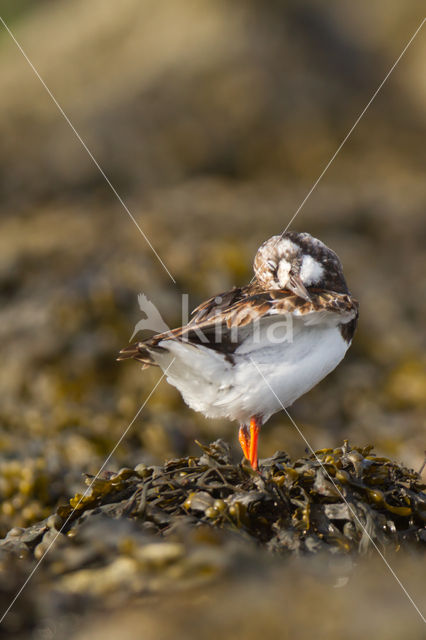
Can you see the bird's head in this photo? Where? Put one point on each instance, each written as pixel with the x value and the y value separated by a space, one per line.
pixel 298 261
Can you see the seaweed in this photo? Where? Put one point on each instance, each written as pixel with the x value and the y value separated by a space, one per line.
pixel 342 500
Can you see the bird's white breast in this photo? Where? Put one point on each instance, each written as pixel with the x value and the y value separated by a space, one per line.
pixel 264 377
pixel 289 371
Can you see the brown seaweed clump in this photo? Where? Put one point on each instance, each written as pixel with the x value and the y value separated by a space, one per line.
pixel 204 521
pixel 342 500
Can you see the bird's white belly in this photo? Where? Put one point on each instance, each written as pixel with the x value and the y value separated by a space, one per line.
pixel 264 377
pixel 283 374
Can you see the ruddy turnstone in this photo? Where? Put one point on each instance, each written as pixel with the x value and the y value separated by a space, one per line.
pixel 250 351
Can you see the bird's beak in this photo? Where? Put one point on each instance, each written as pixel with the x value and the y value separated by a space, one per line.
pixel 296 285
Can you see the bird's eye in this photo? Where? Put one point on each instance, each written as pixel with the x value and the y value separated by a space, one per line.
pixel 271 264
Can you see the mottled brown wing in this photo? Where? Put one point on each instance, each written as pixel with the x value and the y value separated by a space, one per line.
pixel 237 309
pixel 250 308
pixel 222 301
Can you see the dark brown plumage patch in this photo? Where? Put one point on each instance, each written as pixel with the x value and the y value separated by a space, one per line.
pixel 333 279
pixel 347 330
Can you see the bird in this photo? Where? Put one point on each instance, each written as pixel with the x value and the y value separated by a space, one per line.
pixel 252 351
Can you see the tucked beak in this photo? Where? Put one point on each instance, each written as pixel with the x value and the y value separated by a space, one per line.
pixel 296 285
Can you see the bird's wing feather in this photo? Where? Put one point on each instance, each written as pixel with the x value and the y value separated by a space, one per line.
pixel 215 318
pixel 245 308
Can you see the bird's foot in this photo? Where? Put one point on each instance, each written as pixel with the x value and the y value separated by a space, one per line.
pixel 254 436
pixel 248 441
pixel 244 438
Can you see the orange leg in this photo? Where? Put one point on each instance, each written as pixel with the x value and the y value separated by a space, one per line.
pixel 244 438
pixel 254 436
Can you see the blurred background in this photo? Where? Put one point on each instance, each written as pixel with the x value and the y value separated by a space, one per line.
pixel 212 120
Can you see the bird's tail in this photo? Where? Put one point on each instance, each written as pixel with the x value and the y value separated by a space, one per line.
pixel 137 351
